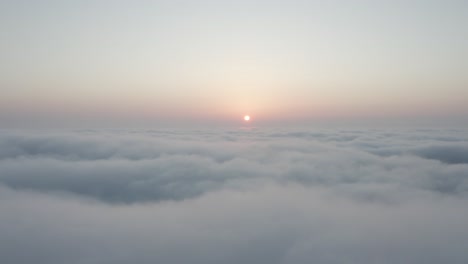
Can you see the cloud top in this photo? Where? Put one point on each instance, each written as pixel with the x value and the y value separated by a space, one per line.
pixel 234 196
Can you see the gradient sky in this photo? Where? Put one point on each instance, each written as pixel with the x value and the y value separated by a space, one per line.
pixel 83 63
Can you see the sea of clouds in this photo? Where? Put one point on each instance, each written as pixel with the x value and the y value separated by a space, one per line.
pixel 247 195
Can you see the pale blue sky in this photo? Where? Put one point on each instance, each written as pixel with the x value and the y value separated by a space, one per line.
pixel 86 62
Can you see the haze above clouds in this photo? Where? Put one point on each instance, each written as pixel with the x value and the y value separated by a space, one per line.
pixel 140 63
pixel 234 196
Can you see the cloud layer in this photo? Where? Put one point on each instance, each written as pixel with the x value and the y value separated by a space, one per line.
pixel 234 196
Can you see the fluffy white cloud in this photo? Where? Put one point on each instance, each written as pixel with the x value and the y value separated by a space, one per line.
pixel 234 196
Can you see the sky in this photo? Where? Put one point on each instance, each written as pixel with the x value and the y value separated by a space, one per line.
pixel 150 63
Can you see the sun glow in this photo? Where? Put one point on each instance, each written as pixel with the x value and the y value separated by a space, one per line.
pixel 246 118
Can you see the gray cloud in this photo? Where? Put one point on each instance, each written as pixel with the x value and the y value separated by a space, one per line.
pixel 127 168
pixel 451 154
pixel 234 196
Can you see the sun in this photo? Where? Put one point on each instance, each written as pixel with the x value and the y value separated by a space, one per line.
pixel 246 118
